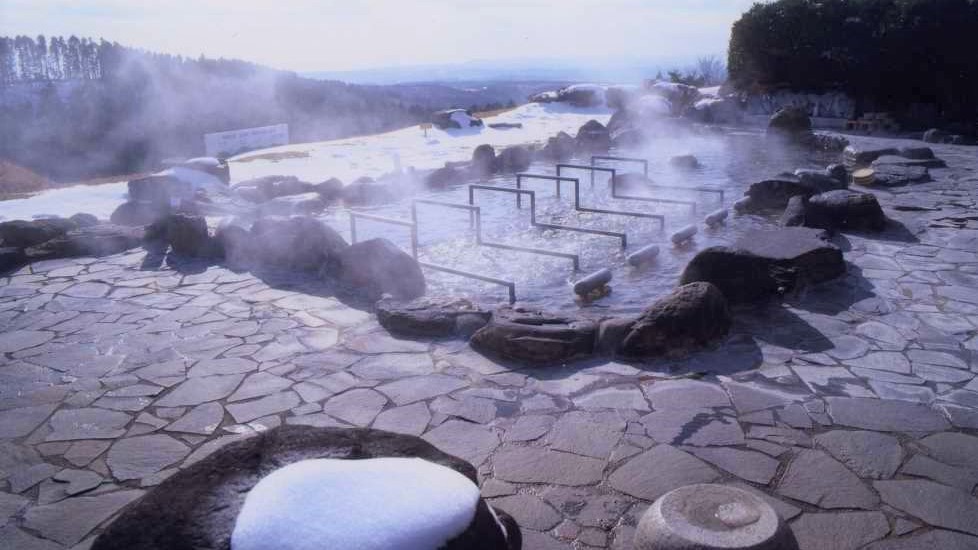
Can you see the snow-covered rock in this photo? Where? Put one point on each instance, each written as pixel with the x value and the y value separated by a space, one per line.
pixel 455 118
pixel 373 504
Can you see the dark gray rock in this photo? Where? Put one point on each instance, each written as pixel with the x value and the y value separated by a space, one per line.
pixel 445 177
pixel 685 162
pixel 918 153
pixel 298 242
pixel 845 209
pixel 137 214
pixel 187 235
pixel 794 213
pixel 431 317
pixel 936 136
pixel 377 266
pixel 11 258
pixel 903 161
pixel 483 160
pixel 774 193
pixel 839 172
pixel 513 159
pixel 197 507
pixel 593 136
pixel 366 191
pixel 692 316
pixel 24 234
pixel 767 263
pixel 303 204
pixel 235 242
pixel 559 147
pixel 859 157
pixel 895 175
pixel 96 240
pixel 627 137
pixel 330 190
pixel 820 180
pixel 535 337
pixel 790 121
pixel 82 219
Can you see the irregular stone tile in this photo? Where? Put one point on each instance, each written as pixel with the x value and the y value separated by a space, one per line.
pixel 755 467
pixel 472 442
pixel 816 478
pixel 868 454
pixel 9 506
pixel 358 407
pixel 923 466
pixel 766 447
pixel 82 453
pixel 847 347
pixel 961 417
pixel 529 511
pixel 410 419
pixel 201 390
pixel 884 415
pixel 784 509
pixel 202 419
pixel 839 531
pixel 883 334
pixel 965 398
pixel 271 404
pixel 87 423
pixel 576 433
pixel 658 471
pixel 70 520
pixel 78 481
pixel 751 397
pixel 529 428
pixel 795 416
pixel 20 422
pixel 24 478
pixel 473 409
pixel 885 376
pixel 936 504
pixel 939 358
pixel 230 365
pixel 613 398
pixel 690 426
pixel 418 388
pixel 18 340
pixel 955 449
pixel 537 465
pixel 12 538
pixel 259 384
pixel 390 366
pixel 379 342
pixel 780 436
pixel 902 392
pixel 136 457
pixel 945 540
pixel 936 373
pixel 685 394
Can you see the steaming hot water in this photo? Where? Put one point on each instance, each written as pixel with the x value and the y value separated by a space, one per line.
pixel 728 161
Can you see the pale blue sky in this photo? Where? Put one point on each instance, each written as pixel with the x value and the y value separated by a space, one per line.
pixel 328 35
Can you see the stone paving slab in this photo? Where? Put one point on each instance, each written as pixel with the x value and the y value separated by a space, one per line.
pixel 853 409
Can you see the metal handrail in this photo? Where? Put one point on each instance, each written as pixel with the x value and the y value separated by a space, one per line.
pixel 533 213
pixel 577 197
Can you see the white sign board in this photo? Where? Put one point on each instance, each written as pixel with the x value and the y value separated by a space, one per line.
pixel 226 144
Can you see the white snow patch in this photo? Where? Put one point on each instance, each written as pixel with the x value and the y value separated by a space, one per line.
pixel 462 118
pixel 97 200
pixel 372 504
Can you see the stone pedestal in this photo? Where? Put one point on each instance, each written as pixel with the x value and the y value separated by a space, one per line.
pixel 712 517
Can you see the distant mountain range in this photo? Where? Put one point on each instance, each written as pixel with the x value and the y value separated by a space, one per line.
pixel 618 71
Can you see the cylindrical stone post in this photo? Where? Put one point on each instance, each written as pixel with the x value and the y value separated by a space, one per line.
pixel 712 517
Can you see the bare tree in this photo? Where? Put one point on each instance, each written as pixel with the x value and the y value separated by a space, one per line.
pixel 711 70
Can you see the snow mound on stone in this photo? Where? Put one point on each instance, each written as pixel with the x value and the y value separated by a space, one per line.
pixel 462 118
pixel 371 504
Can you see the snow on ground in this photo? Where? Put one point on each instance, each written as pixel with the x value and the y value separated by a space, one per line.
pixel 351 158
pixel 347 159
pixel 372 504
pixel 98 200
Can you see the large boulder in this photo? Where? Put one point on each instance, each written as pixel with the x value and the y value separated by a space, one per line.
pixel 864 157
pixel 139 213
pixel 593 137
pixel 628 137
pixel 535 337
pixel 455 118
pixel 560 147
pixel 936 136
pixel 845 209
pixel 794 212
pixel 692 316
pixel 790 121
pixel 577 95
pixel 96 240
pixel 483 160
pixel 198 506
pixel 187 235
pixel 431 317
pixel 236 243
pixel 762 264
pixel 299 243
pixel 377 266
pixel 515 158
pixel 83 219
pixel 712 110
pixel 445 177
pixel 22 233
pixel 11 258
pixel 774 193
pixel 330 190
pixel 365 191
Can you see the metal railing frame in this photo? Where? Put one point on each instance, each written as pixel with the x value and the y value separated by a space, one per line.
pixel 577 197
pixel 645 165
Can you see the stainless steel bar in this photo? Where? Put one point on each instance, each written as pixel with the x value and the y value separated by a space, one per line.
pixel 591 169
pixel 643 162
pixel 577 198
pixel 510 286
